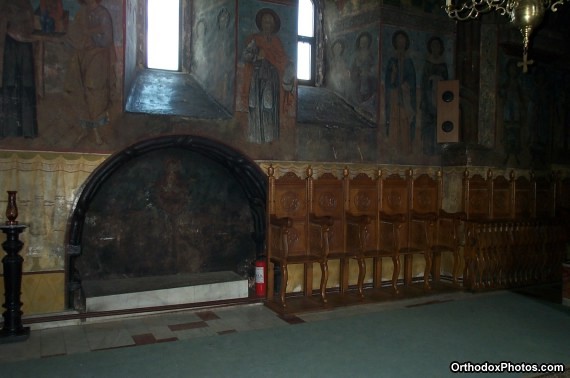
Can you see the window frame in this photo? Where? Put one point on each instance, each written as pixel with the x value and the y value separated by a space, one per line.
pixel 181 37
pixel 312 42
pixel 184 39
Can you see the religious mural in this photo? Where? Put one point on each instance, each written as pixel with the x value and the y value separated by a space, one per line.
pixel 435 70
pixel 533 120
pixel 18 115
pixel 214 50
pixel 267 71
pixel 91 72
pixel 353 70
pixel 243 54
pixel 191 217
pixel 61 72
pixel 51 17
pixel 412 63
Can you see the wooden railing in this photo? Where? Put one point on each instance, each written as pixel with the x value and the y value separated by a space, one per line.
pixel 514 237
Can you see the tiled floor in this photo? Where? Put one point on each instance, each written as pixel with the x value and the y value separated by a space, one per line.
pixel 96 334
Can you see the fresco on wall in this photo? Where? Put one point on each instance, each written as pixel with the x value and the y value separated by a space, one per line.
pixel 51 17
pixel 213 49
pixel 67 95
pixel 353 70
pixel 90 74
pixel 18 116
pixel 435 69
pixel 191 217
pixel 338 74
pixel 346 7
pixel 412 64
pixel 267 71
pixel 60 127
pixel 533 118
pixel 562 115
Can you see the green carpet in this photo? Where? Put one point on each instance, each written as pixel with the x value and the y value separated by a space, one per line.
pixel 412 342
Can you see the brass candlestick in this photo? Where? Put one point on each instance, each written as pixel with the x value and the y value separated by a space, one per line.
pixel 12 209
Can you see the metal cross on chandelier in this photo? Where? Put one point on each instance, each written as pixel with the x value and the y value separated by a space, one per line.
pixel 525 15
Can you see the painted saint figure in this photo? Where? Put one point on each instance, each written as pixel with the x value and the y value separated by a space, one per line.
pixel 18 115
pixel 435 70
pixel 266 70
pixel 362 69
pixel 339 73
pixel 512 95
pixel 401 93
pixel 91 70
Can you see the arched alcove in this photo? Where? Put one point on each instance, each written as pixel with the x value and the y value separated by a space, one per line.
pixel 166 206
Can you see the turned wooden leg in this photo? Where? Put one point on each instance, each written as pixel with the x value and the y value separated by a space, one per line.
pixel 308 279
pixel 270 280
pixel 436 266
pixel 344 273
pixel 361 274
pixel 427 270
pixel 455 272
pixel 395 273
pixel 408 269
pixel 377 273
pixel 284 278
pixel 324 279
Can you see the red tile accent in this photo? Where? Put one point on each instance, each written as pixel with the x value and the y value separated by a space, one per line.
pixel 429 303
pixel 54 355
pixel 115 347
pixel 207 315
pixel 167 340
pixel 146 338
pixel 227 331
pixel 183 326
pixel 292 319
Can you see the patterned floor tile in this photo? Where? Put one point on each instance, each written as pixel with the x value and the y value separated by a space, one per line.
pixel 184 326
pixel 52 342
pixel 207 315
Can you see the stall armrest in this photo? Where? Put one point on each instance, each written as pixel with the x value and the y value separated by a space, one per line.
pixel 459 215
pixel 431 217
pixel 394 218
pixel 321 220
pixel 281 222
pixel 358 219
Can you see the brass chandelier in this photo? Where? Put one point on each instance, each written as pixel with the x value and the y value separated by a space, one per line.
pixel 525 15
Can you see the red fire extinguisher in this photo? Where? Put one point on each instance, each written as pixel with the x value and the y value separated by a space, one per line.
pixel 260 273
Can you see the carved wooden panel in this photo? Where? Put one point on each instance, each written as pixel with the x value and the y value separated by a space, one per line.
pixel 477 197
pixel 363 200
pixel 290 200
pixel 544 204
pixel 425 194
pixel 523 198
pixel 290 196
pixel 363 195
pixel 327 200
pixel 501 203
pixel 297 238
pixel 563 197
pixel 394 200
pixel 394 195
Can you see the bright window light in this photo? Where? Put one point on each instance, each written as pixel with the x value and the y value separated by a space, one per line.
pixel 303 61
pixel 163 34
pixel 306 18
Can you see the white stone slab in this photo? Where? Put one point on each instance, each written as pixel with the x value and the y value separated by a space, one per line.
pixel 233 287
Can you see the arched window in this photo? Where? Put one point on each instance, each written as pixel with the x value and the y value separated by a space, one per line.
pixel 306 43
